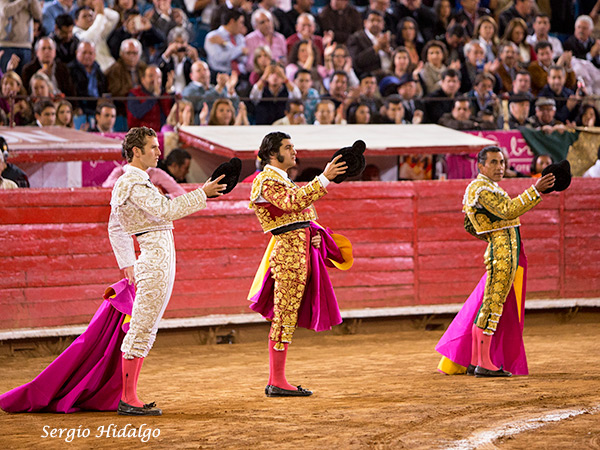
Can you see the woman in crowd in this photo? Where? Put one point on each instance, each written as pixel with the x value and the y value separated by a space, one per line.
pixel 359 113
pixel 407 35
pixel 41 86
pixel 588 116
pixel 486 32
pixel 516 32
pixel 223 113
pixel 443 11
pixel 538 164
pixel 12 86
pixel 182 113
pixel 261 60
pixel 434 54
pixel 338 58
pixel 64 114
pixel 304 55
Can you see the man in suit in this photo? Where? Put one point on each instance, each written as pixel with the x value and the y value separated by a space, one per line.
pixel 370 48
pixel 45 59
pixel 582 44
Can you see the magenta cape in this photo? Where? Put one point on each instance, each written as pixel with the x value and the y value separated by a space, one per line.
pixel 319 309
pixel 507 347
pixel 87 375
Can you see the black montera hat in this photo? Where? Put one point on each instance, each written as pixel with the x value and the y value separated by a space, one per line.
pixel 231 169
pixel 562 173
pixel 354 159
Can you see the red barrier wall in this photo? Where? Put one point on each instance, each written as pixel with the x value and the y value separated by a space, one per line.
pixel 409 245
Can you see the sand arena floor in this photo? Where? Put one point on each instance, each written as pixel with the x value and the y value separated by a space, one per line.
pixel 375 387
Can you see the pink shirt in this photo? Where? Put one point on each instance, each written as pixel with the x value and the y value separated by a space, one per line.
pixel 257 39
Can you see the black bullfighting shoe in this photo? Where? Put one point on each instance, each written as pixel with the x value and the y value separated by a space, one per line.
pixel 481 372
pixel 274 391
pixel 149 409
pixel 471 369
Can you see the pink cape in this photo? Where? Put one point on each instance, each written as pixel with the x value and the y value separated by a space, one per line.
pixel 507 347
pixel 319 309
pixel 87 375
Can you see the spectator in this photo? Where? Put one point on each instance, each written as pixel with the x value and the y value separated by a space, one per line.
pixel 423 16
pixel 264 35
pixel 106 115
pixel 126 72
pixel 64 114
pixel 588 116
pixel 516 31
pixel 276 88
pixel 5 183
pixel 225 46
pixel 470 13
pixel 177 164
pixel 45 113
pixel 460 117
pixel 434 54
pixel 482 95
pixel 16 24
pixel 384 7
pixel 538 164
pixel 244 6
pixel 305 31
pixel 566 101
pixel 150 112
pixel 135 26
pixel 342 18
pixel 413 110
pixel 545 110
pixel 408 37
pixel 294 114
pixel 442 100
pixel 486 31
pixel 223 113
pixel 20 113
pixel 304 55
pixel 371 173
pixel 337 58
pixel 95 26
pixel 87 77
pixel 290 25
pixel 486 119
pixel 338 88
pixel 582 44
pixel 325 113
pixel 66 42
pixel 359 113
pixel 46 62
pixel 540 68
pixel 505 67
pixel 522 87
pixel 541 30
pixel 592 172
pixel 182 113
pixel 41 87
pixel 370 47
pixel 122 6
pixel 53 9
pixel 202 94
pixel 455 39
pixel 521 9
pixel 443 12
pixel 10 171
pixel 310 96
pixel 473 66
pixel 518 111
pixel 161 16
pixel 261 60
pixel 402 64
pixel 177 60
pixel 368 92
pixel 393 110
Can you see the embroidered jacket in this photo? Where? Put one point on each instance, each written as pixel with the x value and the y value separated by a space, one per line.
pixel 489 208
pixel 137 206
pixel 278 202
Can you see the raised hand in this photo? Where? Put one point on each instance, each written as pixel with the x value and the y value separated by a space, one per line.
pixel 334 168
pixel 212 187
pixel 545 182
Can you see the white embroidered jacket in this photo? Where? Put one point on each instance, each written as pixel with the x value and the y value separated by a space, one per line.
pixel 137 206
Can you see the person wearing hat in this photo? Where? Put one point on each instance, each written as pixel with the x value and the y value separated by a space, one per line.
pixel 139 209
pixel 491 215
pixel 545 109
pixel 518 111
pixel 282 281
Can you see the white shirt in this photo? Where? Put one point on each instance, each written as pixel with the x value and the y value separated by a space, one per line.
pixel 594 171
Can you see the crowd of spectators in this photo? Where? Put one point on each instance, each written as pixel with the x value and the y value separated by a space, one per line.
pixel 466 64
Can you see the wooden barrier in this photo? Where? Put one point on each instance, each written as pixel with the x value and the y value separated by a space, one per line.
pixel 409 244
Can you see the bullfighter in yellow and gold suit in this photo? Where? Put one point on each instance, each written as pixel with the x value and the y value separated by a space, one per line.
pixel 139 209
pixel 286 211
pixel 493 216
